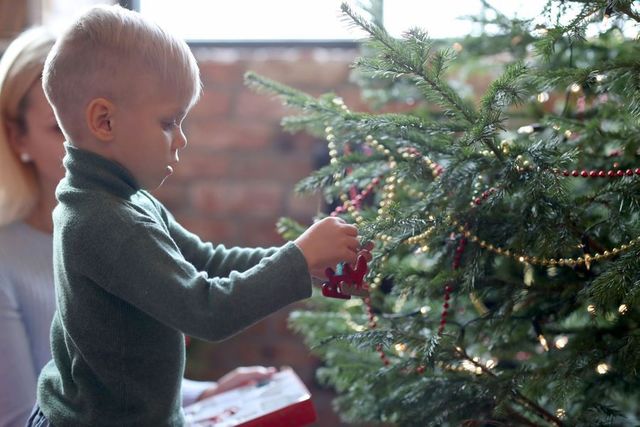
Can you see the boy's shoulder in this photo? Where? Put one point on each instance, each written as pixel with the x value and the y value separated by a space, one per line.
pixel 95 212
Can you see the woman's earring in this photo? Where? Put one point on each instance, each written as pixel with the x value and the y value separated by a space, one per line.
pixel 25 157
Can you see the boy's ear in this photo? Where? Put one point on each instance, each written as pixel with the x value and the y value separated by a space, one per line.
pixel 99 117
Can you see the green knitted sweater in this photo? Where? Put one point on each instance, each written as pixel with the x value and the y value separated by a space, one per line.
pixel 129 282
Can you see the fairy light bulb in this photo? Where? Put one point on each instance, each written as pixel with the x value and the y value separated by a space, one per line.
pixel 468 365
pixel 602 368
pixel 623 309
pixel 591 309
pixel 400 347
pixel 543 342
pixel 525 129
pixel 561 342
pixel 542 97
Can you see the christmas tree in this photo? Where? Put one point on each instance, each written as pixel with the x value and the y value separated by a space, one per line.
pixel 505 282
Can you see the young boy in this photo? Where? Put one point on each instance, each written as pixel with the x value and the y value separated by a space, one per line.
pixel 129 279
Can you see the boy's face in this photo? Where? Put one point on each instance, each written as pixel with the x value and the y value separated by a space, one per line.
pixel 148 134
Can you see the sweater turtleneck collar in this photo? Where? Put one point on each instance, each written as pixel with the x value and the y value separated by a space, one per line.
pixel 89 170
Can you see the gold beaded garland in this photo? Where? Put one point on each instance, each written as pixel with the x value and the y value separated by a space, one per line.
pixel 388 196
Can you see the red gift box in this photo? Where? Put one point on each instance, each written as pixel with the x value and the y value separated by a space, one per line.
pixel 281 401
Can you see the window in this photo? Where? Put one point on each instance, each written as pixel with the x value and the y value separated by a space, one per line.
pixel 315 20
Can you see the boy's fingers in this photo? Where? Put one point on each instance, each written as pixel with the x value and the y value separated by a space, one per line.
pixel 350 230
pixel 353 244
pixel 367 246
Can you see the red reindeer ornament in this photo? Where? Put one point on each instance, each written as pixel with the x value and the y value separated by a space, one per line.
pixel 349 282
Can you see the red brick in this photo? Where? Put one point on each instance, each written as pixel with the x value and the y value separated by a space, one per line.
pixel 301 74
pixel 249 199
pixel 212 104
pixel 228 134
pixel 260 106
pixel 352 98
pixel 262 232
pixel 173 195
pixel 271 166
pixel 198 164
pixel 215 72
pixel 216 231
pixel 303 207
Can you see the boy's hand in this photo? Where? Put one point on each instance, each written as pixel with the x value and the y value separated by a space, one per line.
pixel 328 242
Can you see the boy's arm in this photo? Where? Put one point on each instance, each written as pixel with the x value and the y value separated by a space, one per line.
pixel 216 260
pixel 149 271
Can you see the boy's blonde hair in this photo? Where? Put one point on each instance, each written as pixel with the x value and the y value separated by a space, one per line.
pixel 20 68
pixel 105 53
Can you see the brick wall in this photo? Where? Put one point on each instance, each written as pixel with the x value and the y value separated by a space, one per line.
pixel 236 179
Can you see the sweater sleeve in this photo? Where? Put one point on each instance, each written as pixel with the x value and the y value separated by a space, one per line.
pixel 17 372
pixel 216 261
pixel 150 272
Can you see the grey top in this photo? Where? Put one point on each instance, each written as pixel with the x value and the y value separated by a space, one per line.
pixel 27 304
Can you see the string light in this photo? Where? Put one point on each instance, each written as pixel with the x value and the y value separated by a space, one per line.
pixel 602 368
pixel 400 348
pixel 527 129
pixel 591 309
pixel 542 97
pixel 623 309
pixel 561 342
pixel 543 342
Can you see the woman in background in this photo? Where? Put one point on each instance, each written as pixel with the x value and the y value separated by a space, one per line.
pixel 31 152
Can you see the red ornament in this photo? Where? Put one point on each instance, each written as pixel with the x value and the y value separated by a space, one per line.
pixel 350 282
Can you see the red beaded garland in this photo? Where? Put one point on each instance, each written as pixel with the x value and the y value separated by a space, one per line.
pixel 372 325
pixel 356 200
pixel 484 196
pixel 448 288
pixel 611 173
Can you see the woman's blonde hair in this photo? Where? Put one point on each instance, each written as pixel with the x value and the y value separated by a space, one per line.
pixel 20 68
